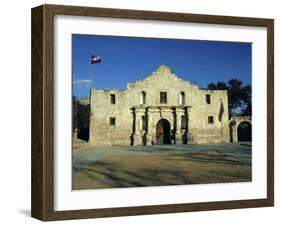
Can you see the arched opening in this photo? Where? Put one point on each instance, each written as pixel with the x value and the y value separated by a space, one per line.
pixel 163 129
pixel 143 97
pixel 244 131
pixel 231 131
pixel 182 98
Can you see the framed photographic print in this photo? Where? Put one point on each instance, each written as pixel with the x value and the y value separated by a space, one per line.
pixel 141 112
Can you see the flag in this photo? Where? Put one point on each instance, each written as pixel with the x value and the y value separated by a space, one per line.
pixel 95 59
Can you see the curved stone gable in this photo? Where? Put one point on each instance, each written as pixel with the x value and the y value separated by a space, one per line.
pixel 164 77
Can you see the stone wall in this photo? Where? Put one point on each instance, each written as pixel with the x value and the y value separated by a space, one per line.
pixel 234 123
pixel 129 109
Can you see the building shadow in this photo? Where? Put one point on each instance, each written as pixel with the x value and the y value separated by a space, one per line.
pixel 83 115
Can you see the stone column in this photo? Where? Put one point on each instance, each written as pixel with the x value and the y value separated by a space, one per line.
pixel 173 126
pixel 233 129
pixel 179 113
pixel 187 115
pixel 137 136
pixel 154 113
pixel 138 132
pixel 235 133
pixel 149 127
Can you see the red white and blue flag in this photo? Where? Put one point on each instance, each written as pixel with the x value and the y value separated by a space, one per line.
pixel 95 59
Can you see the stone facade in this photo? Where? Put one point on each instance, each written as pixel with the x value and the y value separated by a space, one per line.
pixel 234 123
pixel 162 108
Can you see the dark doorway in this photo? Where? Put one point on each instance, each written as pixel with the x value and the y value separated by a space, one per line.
pixel 163 129
pixel 83 115
pixel 231 130
pixel 244 131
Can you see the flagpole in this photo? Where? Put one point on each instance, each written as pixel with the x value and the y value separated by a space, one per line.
pixel 94 60
pixel 91 75
pixel 91 79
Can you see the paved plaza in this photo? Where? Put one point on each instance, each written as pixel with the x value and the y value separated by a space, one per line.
pixel 159 165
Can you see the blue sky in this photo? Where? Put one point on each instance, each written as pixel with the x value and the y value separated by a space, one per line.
pixel 127 59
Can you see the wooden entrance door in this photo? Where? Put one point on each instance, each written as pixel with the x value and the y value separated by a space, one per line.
pixel 163 132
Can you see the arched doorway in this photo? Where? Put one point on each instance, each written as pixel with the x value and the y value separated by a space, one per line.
pixel 244 131
pixel 163 129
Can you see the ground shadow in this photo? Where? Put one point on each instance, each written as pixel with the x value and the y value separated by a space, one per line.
pixel 25 212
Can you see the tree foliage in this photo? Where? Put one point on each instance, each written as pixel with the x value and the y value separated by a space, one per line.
pixel 239 96
pixel 80 118
pixel 74 113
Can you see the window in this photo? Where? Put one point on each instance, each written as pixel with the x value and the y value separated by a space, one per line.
pixel 211 119
pixel 112 121
pixel 163 97
pixel 143 121
pixel 208 98
pixel 112 98
pixel 182 98
pixel 143 97
pixel 183 122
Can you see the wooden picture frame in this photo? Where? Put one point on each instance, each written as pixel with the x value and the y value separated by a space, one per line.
pixel 43 112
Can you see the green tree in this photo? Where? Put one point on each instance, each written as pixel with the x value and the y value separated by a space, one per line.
pixel 239 96
pixel 74 113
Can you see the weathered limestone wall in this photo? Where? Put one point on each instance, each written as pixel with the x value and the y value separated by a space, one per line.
pixel 101 133
pixel 162 80
pixel 199 128
pixel 234 123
